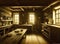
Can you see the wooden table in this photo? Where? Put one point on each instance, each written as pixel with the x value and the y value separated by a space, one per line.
pixel 14 36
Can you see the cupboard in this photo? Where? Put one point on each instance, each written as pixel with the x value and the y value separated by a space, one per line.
pixel 52 32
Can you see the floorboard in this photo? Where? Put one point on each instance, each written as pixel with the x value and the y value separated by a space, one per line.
pixel 34 39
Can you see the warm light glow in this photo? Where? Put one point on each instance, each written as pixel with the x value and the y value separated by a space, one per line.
pixel 31 18
pixel 53 17
pixel 57 7
pixel 56 15
pixel 16 19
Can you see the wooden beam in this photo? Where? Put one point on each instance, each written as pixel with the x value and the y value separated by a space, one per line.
pixel 51 5
pixel 21 8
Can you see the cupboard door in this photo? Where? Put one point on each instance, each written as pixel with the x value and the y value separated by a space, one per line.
pixel 55 35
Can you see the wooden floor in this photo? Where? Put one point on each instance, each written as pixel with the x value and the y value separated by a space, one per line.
pixel 34 39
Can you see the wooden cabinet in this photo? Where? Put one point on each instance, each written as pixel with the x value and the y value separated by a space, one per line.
pixel 46 31
pixel 55 34
pixel 51 32
pixel 4 30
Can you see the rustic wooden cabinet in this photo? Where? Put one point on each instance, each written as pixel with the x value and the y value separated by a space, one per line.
pixel 46 31
pixel 51 32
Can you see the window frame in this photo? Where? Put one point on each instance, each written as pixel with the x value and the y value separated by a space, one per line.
pixel 57 18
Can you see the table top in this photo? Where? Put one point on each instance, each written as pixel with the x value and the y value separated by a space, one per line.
pixel 26 25
pixel 14 36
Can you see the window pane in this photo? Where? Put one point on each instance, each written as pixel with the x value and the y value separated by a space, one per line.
pixel 59 10
pixel 56 15
pixel 59 15
pixel 56 20
pixel 31 18
pixel 59 20
pixel 16 18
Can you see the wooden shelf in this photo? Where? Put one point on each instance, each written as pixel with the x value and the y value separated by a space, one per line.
pixel 6 20
pixel 6 26
pixel 46 31
pixel 45 35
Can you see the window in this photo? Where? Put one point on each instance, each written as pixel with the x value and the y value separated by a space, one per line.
pixel 31 18
pixel 56 15
pixel 16 18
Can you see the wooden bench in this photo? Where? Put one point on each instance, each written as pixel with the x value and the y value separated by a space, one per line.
pixel 14 37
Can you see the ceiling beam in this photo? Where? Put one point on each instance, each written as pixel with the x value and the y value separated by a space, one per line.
pixel 21 8
pixel 51 5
